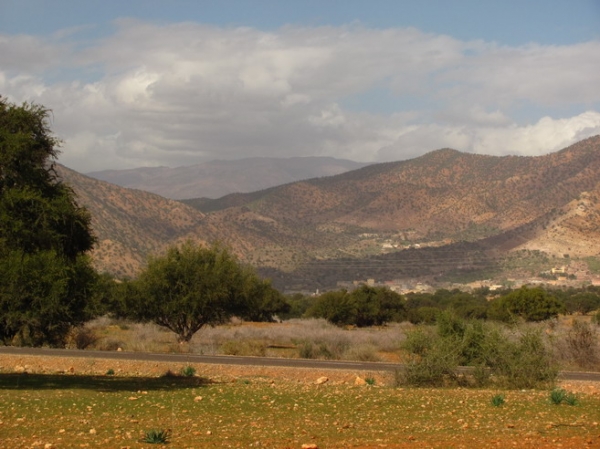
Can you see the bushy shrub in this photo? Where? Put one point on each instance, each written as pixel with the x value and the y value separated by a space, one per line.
pixel 82 337
pixel 333 349
pixel 582 344
pixel 435 358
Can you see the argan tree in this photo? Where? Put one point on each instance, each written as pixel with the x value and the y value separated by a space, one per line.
pixel 46 280
pixel 530 304
pixel 192 286
pixel 365 306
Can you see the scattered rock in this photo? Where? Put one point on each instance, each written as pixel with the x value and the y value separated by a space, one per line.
pixel 20 369
pixel 93 432
pixel 359 381
pixel 321 380
pixel 310 446
pixel 198 398
pixel 48 446
pixel 208 432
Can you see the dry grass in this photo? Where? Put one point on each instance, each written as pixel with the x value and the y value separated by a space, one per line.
pixel 572 347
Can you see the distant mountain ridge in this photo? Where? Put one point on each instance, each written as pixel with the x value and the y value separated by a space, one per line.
pixel 217 178
pixel 442 211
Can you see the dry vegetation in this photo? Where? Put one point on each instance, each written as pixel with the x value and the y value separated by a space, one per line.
pixel 573 340
pixel 97 403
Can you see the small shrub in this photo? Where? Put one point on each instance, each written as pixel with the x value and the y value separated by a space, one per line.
pixel 370 380
pixel 307 351
pixel 571 399
pixel 582 343
pixel 498 400
pixel 334 349
pixel 188 371
pixel 557 396
pixel 157 437
pixel 83 337
pixel 110 372
pixel 436 367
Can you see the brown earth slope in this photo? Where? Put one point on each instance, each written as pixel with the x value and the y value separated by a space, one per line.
pixel 445 197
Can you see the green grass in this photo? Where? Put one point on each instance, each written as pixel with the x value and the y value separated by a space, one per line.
pixel 498 400
pixel 156 437
pixel 63 410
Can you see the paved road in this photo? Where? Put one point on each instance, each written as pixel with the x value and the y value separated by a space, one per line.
pixel 247 361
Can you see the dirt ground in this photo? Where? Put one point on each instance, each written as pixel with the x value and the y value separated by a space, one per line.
pixel 227 373
pixel 214 372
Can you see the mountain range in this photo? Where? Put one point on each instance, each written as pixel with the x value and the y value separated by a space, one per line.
pixel 215 179
pixel 425 217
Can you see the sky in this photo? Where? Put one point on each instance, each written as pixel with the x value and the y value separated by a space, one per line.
pixel 179 82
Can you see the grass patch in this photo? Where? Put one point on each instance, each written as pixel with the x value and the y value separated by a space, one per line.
pixel 156 437
pixel 498 400
pixel 560 396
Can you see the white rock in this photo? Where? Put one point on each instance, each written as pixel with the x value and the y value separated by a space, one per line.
pixel 321 380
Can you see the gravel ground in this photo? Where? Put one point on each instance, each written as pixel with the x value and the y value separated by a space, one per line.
pixel 215 373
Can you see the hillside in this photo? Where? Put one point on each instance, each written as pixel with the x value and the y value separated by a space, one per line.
pixel 215 179
pixel 427 216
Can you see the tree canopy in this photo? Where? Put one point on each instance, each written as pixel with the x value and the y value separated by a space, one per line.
pixel 365 306
pixel 192 286
pixel 531 304
pixel 45 276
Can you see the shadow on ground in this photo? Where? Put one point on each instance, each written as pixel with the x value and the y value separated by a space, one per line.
pixel 24 381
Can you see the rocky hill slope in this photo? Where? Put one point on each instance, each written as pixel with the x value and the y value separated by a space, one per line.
pixel 474 207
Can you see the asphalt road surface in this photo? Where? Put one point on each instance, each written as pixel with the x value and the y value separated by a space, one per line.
pixel 243 361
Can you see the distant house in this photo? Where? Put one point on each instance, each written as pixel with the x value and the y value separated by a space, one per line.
pixel 561 270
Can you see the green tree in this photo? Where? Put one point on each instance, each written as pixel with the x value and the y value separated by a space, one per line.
pixel 192 286
pixel 263 301
pixel 46 279
pixel 335 306
pixel 531 304
pixel 365 306
pixel 377 305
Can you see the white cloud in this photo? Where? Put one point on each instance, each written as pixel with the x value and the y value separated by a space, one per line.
pixel 180 93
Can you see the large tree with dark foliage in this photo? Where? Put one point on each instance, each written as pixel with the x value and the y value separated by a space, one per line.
pixel 46 279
